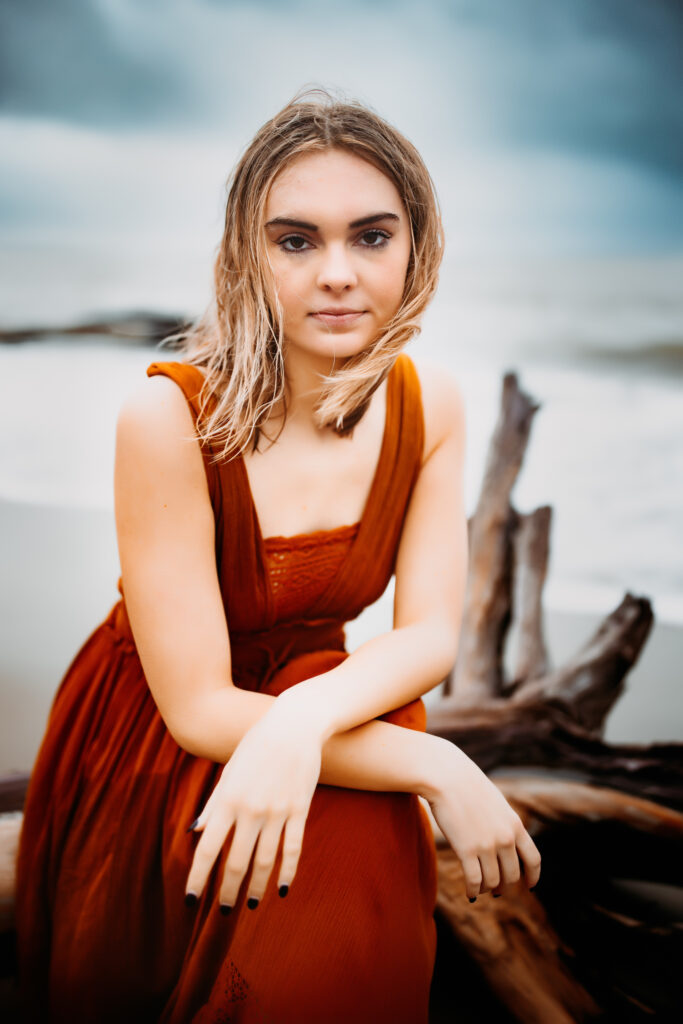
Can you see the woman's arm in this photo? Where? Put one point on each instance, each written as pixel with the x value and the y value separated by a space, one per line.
pixel 376 755
pixel 390 670
pixel 166 538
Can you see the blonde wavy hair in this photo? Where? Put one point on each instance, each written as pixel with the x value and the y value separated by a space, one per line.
pixel 238 341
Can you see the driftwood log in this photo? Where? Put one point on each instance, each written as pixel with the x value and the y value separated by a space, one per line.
pixel 138 328
pixel 600 937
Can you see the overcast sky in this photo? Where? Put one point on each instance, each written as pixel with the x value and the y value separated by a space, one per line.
pixel 548 126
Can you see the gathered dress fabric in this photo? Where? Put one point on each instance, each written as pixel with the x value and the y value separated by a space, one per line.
pixel 103 931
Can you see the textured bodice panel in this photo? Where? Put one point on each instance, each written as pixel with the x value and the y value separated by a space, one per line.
pixel 302 567
pixel 288 597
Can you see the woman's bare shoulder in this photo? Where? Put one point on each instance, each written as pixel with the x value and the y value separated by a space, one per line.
pixel 442 403
pixel 154 424
pixel 155 401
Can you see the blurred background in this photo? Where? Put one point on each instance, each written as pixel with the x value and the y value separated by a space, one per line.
pixel 553 134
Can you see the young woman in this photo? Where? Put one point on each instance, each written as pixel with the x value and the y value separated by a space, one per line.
pixel 224 819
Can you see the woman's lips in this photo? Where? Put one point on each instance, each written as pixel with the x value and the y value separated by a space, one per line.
pixel 337 319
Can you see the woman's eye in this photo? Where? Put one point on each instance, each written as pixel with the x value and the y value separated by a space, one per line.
pixel 298 241
pixel 292 238
pixel 380 234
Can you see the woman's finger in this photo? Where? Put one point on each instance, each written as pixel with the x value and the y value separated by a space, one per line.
pixel 264 857
pixel 510 871
pixel 471 869
pixel 200 821
pixel 209 846
pixel 291 847
pixel 489 869
pixel 247 829
pixel 509 867
pixel 530 857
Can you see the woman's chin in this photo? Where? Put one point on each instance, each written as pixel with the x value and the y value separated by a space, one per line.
pixel 340 346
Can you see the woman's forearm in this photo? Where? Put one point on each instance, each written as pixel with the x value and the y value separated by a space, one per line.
pixel 375 756
pixel 386 672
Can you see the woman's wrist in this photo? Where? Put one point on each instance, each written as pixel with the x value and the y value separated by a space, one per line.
pixel 440 767
pixel 296 711
pixel 425 763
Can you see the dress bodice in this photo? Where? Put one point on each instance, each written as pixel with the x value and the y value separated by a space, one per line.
pixel 286 597
pixel 303 566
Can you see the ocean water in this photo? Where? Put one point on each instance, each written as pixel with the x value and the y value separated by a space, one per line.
pixel 597 343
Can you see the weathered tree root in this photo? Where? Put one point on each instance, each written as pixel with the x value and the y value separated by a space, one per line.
pixel 590 941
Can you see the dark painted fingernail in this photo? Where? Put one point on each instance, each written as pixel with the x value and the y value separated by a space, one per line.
pixel 472 899
pixel 225 908
pixel 191 898
pixel 192 825
pixel 496 895
pixel 252 903
pixel 283 890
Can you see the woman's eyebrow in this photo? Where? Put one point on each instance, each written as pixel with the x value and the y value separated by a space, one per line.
pixel 292 222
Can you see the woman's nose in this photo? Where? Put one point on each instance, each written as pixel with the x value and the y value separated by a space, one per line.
pixel 336 268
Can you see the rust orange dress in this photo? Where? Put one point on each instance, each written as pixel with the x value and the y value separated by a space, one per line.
pixel 103 931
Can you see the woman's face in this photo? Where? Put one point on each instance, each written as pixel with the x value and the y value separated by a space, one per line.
pixel 337 238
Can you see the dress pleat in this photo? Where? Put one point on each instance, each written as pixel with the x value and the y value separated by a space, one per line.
pixel 104 934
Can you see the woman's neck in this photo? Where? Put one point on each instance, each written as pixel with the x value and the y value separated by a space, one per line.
pixel 304 372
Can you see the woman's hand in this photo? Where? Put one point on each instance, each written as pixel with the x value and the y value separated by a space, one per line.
pixel 267 785
pixel 481 826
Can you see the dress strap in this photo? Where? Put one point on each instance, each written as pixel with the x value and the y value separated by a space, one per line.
pixel 190 379
pixel 399 470
pixel 372 559
pixel 242 574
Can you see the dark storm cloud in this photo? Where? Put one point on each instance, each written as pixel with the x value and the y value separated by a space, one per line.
pixel 600 76
pixel 588 81
pixel 88 62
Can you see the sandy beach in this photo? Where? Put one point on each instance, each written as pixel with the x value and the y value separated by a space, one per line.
pixel 60 572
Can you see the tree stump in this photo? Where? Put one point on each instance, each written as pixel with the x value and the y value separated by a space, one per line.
pixel 600 937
